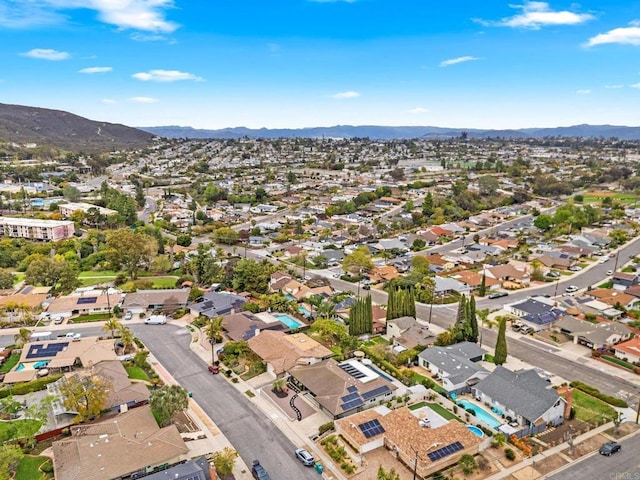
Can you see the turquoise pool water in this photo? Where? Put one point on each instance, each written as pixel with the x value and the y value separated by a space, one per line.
pixel 476 431
pixel 481 414
pixel 304 310
pixel 288 320
pixel 381 373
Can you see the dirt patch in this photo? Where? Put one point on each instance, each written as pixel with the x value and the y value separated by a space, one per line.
pixel 558 434
pixel 553 338
pixel 550 464
pixel 624 430
pixel 185 424
pixel 284 403
pixel 588 446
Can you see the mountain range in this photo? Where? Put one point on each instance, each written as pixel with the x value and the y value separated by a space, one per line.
pixel 392 133
pixel 64 130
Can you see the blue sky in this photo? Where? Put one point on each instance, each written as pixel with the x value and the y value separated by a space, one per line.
pixel 297 63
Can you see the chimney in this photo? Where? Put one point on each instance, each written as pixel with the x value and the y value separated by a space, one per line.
pixel 568 396
pixel 212 471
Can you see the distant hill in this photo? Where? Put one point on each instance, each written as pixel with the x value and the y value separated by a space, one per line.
pixel 21 125
pixel 391 133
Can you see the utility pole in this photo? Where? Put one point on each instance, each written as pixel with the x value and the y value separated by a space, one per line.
pixel 415 465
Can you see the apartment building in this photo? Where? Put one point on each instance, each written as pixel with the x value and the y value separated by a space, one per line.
pixel 66 209
pixel 35 229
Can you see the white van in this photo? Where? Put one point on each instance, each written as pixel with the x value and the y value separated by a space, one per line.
pixel 156 320
pixel 73 336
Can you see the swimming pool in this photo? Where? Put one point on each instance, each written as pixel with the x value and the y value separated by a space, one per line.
pixel 379 372
pixel 481 414
pixel 475 430
pixel 304 310
pixel 288 320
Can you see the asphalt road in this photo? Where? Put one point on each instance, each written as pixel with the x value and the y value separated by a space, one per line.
pixel 251 433
pixel 624 465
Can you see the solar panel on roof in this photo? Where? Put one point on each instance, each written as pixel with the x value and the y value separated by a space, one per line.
pixel 375 392
pixel 445 451
pixel 42 351
pixel 352 404
pixel 351 370
pixel 352 389
pixel 87 300
pixel 351 396
pixel 371 428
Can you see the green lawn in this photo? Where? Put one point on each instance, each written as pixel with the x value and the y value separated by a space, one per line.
pixel 94 317
pixel 164 282
pixel 11 362
pixel 617 361
pixel 7 431
pixel 98 273
pixel 439 409
pixel 137 373
pixel 589 409
pixel 92 281
pixel 376 341
pixel 18 277
pixel 28 468
pixel 597 197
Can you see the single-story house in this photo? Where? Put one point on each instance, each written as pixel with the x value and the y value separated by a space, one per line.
pixel 522 396
pixel 244 325
pixel 537 312
pixel 212 304
pixel 509 276
pixel 166 300
pixel 121 446
pixel 281 352
pixel 341 389
pixel 613 298
pixel 455 365
pixel 629 350
pixel 624 280
pixel 408 333
pixel 85 302
pixel 592 335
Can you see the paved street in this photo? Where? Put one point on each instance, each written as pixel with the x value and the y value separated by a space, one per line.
pixel 252 434
pixel 624 465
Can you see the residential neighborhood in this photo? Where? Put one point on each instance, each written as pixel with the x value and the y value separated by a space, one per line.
pixel 383 305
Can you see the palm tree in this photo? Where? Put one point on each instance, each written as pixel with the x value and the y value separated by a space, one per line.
pixel 326 310
pixel 279 385
pixel 126 337
pixel 22 337
pixel 111 325
pixel 213 332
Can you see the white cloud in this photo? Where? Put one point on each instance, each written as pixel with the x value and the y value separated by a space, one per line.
pixel 623 35
pixel 343 95
pixel 143 99
pixel 583 91
pixel 108 101
pixel 418 110
pixel 144 37
pixel 47 54
pixel 619 85
pixel 166 76
pixel 145 15
pixel 95 70
pixel 538 14
pixel 635 85
pixel 453 61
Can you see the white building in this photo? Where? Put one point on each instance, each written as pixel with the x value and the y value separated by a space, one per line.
pixel 35 229
pixel 66 209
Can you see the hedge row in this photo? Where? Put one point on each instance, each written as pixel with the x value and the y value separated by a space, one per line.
pixel 28 387
pixel 594 392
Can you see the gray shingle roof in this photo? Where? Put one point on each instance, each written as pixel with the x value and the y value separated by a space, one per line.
pixel 454 360
pixel 524 392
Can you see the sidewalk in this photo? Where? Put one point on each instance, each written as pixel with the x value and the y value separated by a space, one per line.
pixel 216 440
pixel 558 449
pixel 286 426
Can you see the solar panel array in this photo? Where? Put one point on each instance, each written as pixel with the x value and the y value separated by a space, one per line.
pixel 375 392
pixel 352 389
pixel 371 428
pixel 351 370
pixel 87 300
pixel 43 351
pixel 445 451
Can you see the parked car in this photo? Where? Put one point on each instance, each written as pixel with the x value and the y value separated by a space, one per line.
pixel 498 295
pixel 609 272
pixel 603 260
pixel 58 319
pixel 517 327
pixel 610 448
pixel 305 457
pixel 526 330
pixel 128 315
pixel 571 289
pixel 214 369
pixel 258 471
pixel 575 268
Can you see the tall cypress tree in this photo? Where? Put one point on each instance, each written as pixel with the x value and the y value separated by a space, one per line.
pixel 482 291
pixel 473 320
pixel 461 315
pixel 500 355
pixel 411 303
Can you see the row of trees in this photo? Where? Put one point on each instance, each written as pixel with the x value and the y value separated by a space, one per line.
pixel 465 327
pixel 401 302
pixel 361 317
